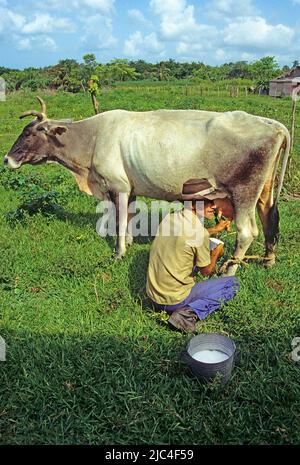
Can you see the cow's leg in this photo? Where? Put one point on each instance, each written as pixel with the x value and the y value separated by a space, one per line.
pixel 246 231
pixel 121 203
pixel 129 236
pixel 269 216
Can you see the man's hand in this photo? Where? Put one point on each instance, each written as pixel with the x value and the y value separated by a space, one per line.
pixel 215 254
pixel 218 251
pixel 222 225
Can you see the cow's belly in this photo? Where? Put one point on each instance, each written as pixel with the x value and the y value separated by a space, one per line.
pixel 159 169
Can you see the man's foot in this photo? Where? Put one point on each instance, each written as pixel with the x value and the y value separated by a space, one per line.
pixel 183 319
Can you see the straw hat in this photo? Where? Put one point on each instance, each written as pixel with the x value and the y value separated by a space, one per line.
pixel 201 189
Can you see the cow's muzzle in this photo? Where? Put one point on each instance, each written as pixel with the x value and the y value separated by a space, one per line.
pixel 8 161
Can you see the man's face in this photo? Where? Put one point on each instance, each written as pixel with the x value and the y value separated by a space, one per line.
pixel 209 209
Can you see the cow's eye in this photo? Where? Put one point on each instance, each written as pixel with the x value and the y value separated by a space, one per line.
pixel 42 129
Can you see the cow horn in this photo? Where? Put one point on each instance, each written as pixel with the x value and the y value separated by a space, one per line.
pixel 40 115
pixel 43 105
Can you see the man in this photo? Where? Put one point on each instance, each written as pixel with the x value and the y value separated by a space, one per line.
pixel 180 249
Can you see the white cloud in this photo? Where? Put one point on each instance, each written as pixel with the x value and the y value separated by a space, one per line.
pixel 185 49
pixel 167 6
pixel 24 44
pixel 152 44
pixel 98 33
pixel 103 6
pixel 221 55
pixel 246 56
pixel 255 33
pixel 138 16
pixel 38 42
pixel 131 46
pixel 50 44
pixel 44 23
pixel 176 18
pixel 178 23
pixel 228 9
pixel 10 21
pixel 138 46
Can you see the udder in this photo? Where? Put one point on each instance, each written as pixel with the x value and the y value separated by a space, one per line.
pixel 227 208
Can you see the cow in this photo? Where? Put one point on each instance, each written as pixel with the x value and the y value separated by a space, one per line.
pixel 153 153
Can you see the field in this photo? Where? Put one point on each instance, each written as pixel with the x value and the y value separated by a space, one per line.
pixel 88 360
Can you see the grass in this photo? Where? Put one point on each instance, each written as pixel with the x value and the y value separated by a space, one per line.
pixel 88 361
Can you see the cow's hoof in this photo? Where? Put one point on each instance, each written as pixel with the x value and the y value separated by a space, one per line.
pixel 229 267
pixel 269 263
pixel 119 256
pixel 128 239
pixel 231 270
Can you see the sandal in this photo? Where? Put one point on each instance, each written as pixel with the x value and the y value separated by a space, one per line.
pixel 183 319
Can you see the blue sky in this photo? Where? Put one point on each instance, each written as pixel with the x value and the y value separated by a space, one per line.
pixel 41 32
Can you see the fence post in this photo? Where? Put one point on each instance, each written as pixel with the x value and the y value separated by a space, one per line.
pixel 294 105
pixel 2 89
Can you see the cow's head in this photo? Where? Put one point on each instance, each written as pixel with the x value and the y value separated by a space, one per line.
pixel 38 142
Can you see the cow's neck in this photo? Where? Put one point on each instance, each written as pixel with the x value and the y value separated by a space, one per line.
pixel 76 152
pixel 76 146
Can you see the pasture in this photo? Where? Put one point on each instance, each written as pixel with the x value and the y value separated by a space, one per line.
pixel 88 360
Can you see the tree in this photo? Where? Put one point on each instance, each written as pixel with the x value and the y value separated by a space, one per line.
pixel 240 69
pixel 93 84
pixel 203 73
pixel 285 69
pixel 90 61
pixel 120 70
pixel 163 72
pixel 263 70
pixel 88 68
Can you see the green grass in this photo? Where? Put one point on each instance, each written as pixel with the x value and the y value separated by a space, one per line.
pixel 88 361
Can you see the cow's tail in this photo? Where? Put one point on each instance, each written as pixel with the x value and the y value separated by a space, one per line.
pixel 272 233
pixel 287 146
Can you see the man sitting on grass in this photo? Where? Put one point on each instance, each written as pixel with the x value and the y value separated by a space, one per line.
pixel 177 256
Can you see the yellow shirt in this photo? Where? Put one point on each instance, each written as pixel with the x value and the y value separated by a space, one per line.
pixel 173 256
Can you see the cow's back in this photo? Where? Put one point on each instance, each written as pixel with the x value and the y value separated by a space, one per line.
pixel 159 150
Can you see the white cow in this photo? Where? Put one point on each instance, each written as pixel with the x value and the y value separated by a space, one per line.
pixel 153 153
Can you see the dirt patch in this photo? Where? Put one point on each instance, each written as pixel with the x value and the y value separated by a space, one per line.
pixel 276 285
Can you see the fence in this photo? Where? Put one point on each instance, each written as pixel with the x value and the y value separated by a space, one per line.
pixel 192 90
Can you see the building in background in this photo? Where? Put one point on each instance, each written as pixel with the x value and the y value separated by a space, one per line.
pixel 283 86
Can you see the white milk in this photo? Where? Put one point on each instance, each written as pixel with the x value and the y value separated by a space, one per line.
pixel 214 242
pixel 210 356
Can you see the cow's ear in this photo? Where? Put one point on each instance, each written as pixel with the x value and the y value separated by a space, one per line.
pixel 58 130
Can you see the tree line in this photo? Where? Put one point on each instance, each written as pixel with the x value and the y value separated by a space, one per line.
pixel 73 76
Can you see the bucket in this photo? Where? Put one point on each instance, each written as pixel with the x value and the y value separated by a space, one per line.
pixel 209 354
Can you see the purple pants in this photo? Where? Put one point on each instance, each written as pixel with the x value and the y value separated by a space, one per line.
pixel 207 296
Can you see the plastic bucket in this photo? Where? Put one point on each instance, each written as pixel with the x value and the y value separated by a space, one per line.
pixel 214 354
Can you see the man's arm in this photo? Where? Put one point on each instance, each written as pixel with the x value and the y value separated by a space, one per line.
pixel 221 226
pixel 215 254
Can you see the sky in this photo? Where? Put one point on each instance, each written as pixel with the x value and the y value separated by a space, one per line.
pixel 41 32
